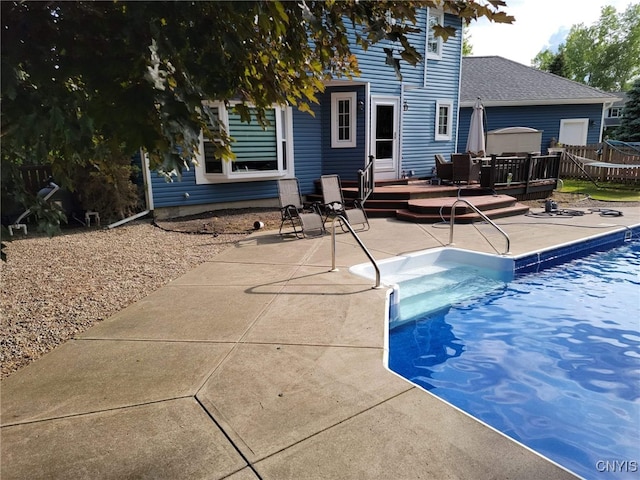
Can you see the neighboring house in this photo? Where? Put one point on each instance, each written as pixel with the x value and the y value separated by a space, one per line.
pixel 515 95
pixel 613 114
pixel 402 124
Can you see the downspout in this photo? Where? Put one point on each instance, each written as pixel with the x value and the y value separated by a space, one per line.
pixel 367 121
pixel 605 106
pixel 400 167
pixel 455 147
pixel 148 196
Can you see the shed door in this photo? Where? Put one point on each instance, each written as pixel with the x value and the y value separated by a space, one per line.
pixel 573 131
pixel 384 136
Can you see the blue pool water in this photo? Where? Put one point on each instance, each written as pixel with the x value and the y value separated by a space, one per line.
pixel 551 359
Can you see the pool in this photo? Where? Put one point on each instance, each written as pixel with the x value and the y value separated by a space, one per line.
pixel 546 352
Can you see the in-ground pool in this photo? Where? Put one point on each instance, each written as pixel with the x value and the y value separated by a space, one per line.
pixel 550 358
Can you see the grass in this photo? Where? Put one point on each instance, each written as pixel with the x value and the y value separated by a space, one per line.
pixel 606 191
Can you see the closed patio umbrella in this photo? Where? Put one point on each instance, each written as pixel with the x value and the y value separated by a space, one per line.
pixel 476 141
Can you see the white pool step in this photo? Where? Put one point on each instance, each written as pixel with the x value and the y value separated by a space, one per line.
pixel 438 290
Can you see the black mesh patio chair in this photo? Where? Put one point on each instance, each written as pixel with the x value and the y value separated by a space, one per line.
pixel 305 221
pixel 335 205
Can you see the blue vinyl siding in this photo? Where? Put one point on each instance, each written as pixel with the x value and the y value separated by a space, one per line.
pixel 382 76
pixel 543 117
pixel 342 161
pixel 171 194
pixel 307 145
pixel 313 155
pixel 442 83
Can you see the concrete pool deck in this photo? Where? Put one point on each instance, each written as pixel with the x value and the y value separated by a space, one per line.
pixel 263 364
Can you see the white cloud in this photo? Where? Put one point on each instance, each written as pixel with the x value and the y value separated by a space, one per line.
pixel 539 24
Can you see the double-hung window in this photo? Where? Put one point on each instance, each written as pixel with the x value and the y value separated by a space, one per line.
pixel 260 152
pixel 434 43
pixel 444 120
pixel 343 119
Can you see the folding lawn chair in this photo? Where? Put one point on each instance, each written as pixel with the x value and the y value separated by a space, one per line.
pixel 45 194
pixel 334 204
pixel 304 221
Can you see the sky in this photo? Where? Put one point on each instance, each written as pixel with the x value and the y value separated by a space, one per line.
pixel 539 24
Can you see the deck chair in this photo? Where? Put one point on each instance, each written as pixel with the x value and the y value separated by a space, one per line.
pixel 334 204
pixel 304 221
pixel 45 194
pixel 444 169
pixel 464 169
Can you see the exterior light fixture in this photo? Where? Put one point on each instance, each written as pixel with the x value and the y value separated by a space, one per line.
pixel 405 106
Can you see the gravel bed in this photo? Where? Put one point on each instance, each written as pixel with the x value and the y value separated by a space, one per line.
pixel 55 288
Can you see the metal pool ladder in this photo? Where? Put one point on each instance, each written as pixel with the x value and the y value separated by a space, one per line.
pixel 355 235
pixel 484 217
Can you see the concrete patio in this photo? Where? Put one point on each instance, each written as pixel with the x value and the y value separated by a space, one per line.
pixel 263 364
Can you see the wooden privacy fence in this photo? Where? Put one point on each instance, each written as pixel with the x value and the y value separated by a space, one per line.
pixel 600 152
pixel 35 177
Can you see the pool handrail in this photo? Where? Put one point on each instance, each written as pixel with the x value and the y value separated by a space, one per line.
pixel 355 235
pixel 484 217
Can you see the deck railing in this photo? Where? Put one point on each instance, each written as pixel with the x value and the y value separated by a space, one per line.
pixel 520 171
pixel 366 181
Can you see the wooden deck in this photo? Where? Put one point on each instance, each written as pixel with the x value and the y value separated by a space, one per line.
pixel 421 202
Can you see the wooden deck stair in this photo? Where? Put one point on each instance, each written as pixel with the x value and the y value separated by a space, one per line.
pixel 435 210
pixel 421 202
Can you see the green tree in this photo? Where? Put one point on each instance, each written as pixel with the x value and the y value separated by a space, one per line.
pixel 85 82
pixel 467 47
pixel 629 129
pixel 605 55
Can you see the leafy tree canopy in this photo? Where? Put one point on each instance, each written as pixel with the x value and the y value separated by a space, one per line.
pixel 605 55
pixel 91 80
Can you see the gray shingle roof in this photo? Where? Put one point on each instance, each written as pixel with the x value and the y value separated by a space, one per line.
pixel 499 81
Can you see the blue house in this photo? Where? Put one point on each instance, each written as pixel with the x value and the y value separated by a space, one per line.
pixel 515 95
pixel 401 123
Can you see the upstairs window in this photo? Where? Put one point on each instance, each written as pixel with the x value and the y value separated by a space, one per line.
pixel 434 44
pixel 261 153
pixel 444 120
pixel 615 112
pixel 343 120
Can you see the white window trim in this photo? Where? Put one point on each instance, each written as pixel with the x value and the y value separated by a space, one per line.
pixel 335 98
pixel 617 111
pixel 438 136
pixel 439 14
pixel 228 175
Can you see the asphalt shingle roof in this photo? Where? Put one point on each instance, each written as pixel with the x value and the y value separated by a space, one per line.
pixel 497 80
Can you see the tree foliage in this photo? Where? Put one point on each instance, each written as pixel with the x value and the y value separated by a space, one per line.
pixel 605 55
pixel 86 80
pixel 86 84
pixel 629 129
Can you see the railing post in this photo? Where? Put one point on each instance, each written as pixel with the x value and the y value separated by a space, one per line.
pixel 452 220
pixel 355 235
pixel 527 168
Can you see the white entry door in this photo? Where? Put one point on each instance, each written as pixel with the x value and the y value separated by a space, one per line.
pixel 573 131
pixel 385 136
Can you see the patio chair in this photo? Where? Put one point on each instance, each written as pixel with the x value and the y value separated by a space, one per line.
pixel 334 204
pixel 464 168
pixel 444 169
pixel 45 193
pixel 304 221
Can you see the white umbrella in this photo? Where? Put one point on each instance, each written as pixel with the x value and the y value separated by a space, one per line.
pixel 475 141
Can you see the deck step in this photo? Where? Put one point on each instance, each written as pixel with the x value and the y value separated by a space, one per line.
pixel 443 205
pixel 420 201
pixel 409 216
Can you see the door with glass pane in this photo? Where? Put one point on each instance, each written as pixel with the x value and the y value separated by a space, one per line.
pixel 385 136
